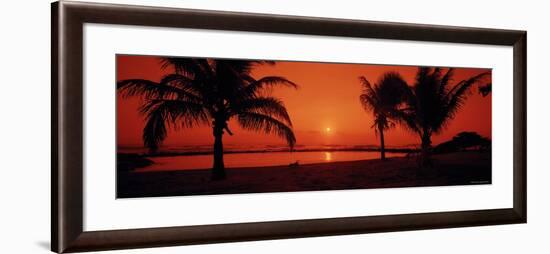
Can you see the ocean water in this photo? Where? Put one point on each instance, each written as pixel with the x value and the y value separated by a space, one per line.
pixel 259 159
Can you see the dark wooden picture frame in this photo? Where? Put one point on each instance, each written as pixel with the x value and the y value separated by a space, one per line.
pixel 67 23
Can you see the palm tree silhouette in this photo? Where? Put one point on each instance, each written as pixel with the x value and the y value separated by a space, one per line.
pixel 209 91
pixel 383 100
pixel 432 102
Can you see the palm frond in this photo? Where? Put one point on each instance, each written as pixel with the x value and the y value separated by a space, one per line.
pixel 245 66
pixel 369 103
pixel 268 106
pixel 469 82
pixel 422 74
pixel 391 90
pixel 190 89
pixel 447 78
pixel 456 98
pixel 154 131
pixel 367 87
pixel 176 113
pixel 368 98
pixel 256 87
pixel 143 87
pixel 147 89
pixel 382 123
pixel 269 125
pixel 191 67
pixel 385 96
pixel 178 80
pixel 485 89
pixel 407 119
pixel 208 65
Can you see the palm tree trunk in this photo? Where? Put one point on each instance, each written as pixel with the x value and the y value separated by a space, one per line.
pixel 426 149
pixel 382 147
pixel 218 169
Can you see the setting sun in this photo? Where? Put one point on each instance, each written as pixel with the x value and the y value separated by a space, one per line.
pixel 327 129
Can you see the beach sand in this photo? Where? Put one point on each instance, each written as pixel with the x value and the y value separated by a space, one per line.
pixel 462 168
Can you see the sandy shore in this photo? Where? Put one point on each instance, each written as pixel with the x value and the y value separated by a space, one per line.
pixel 464 168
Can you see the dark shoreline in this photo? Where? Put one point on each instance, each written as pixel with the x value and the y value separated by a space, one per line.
pixel 462 168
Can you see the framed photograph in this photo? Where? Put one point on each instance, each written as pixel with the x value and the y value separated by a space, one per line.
pixel 176 126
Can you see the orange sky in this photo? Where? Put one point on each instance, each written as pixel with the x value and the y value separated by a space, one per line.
pixel 328 97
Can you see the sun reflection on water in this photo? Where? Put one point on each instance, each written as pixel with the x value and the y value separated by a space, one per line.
pixel 328 156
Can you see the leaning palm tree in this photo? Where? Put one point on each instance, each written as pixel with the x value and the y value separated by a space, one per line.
pixel 432 102
pixel 210 92
pixel 383 99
